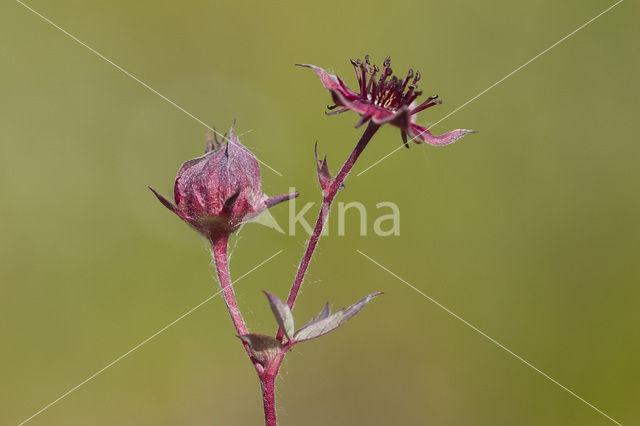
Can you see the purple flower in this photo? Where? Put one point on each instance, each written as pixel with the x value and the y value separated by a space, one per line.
pixel 385 98
pixel 221 190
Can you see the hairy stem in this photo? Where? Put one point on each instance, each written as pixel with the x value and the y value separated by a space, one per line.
pixel 267 383
pixel 328 197
pixel 224 277
pixel 267 376
pixel 221 259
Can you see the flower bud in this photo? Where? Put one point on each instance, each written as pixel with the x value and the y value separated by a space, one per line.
pixel 219 191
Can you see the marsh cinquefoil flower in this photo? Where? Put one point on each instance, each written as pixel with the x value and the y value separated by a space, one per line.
pixel 385 98
pixel 221 190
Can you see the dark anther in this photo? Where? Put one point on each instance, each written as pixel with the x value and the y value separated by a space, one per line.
pixel 406 80
pixel 330 107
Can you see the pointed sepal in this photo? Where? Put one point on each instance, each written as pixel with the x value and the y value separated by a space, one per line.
pixel 213 143
pixel 420 134
pixel 277 199
pixel 168 204
pixel 227 207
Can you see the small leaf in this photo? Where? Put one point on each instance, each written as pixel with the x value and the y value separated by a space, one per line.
pixel 282 313
pixel 324 312
pixel 326 323
pixel 324 176
pixel 264 348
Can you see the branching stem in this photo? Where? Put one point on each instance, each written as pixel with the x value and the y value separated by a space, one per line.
pixel 327 200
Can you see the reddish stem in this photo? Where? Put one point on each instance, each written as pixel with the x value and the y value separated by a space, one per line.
pixel 221 259
pixel 267 383
pixel 266 376
pixel 222 266
pixel 328 197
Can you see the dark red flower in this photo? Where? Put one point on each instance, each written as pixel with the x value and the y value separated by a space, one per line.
pixel 221 190
pixel 385 99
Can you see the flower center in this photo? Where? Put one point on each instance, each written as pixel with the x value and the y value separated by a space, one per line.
pixel 388 91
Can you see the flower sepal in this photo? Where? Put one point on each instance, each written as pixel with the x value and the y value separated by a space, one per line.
pixel 219 191
pixel 384 98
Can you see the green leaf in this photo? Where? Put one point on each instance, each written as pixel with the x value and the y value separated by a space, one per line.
pixel 324 312
pixel 326 323
pixel 282 313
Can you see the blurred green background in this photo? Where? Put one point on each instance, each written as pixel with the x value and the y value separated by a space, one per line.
pixel 528 230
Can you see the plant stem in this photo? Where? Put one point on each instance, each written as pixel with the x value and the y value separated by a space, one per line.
pixel 328 197
pixel 222 267
pixel 221 259
pixel 267 383
pixel 267 376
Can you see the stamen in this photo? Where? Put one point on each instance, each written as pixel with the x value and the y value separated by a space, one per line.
pixel 413 97
pixel 372 83
pixel 387 90
pixel 356 68
pixel 363 80
pixel 429 102
pixel 406 79
pixel 426 104
pixel 407 96
pixel 386 71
